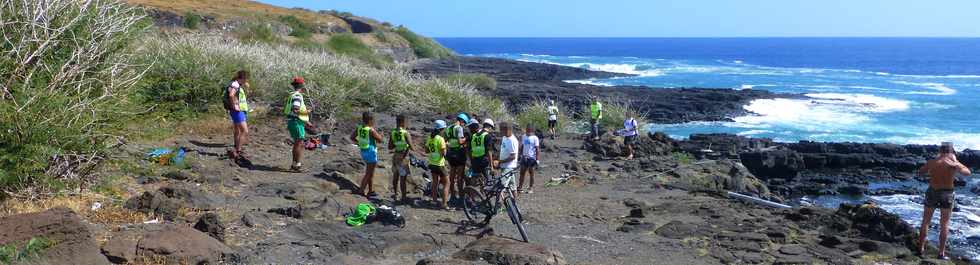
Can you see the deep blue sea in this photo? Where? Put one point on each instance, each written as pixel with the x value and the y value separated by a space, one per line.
pixel 896 90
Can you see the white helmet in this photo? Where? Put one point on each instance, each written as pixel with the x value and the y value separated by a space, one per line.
pixel 440 124
pixel 488 122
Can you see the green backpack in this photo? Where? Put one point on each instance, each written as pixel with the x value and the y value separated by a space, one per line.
pixel 360 215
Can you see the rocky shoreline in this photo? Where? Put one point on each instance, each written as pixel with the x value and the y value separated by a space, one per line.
pixel 520 82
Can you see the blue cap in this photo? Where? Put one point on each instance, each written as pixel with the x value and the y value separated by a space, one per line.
pixel 463 117
pixel 440 124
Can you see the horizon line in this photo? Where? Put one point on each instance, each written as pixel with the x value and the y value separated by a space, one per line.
pixel 715 37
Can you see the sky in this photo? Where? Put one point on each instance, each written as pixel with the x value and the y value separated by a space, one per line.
pixel 668 18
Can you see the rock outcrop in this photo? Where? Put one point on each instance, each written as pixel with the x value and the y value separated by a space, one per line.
pixel 70 238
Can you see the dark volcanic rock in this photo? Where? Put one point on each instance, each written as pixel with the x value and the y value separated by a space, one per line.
pixel 180 243
pixel 73 242
pixel 502 251
pixel 211 224
pixel 522 82
pixel 780 163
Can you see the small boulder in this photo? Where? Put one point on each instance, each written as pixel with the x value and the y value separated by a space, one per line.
pixel 182 244
pixel 210 223
pixel 496 250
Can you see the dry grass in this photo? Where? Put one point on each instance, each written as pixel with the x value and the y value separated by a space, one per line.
pixel 237 9
pixel 109 214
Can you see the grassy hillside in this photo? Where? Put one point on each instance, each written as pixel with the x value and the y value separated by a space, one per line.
pixel 228 10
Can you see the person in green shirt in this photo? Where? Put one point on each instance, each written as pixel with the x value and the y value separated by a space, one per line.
pixel 400 143
pixel 596 115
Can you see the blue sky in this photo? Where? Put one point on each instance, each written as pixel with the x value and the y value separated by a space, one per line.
pixel 668 18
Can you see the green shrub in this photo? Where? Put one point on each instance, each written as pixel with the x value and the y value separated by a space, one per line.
pixel 192 20
pixel 258 33
pixel 183 80
pixel 536 114
pixel 299 28
pixel 615 113
pixel 66 78
pixel 9 253
pixel 479 81
pixel 422 46
pixel 682 157
pixel 349 45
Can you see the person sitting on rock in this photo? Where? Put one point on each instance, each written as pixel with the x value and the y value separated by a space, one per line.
pixel 630 133
pixel 941 172
pixel 367 138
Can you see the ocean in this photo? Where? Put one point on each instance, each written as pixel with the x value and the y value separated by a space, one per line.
pixel 893 90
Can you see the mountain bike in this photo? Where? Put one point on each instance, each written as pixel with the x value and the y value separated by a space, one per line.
pixel 480 204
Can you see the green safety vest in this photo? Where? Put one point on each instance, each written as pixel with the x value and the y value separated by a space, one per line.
pixel 288 106
pixel 477 147
pixel 364 137
pixel 398 136
pixel 596 110
pixel 450 136
pixel 242 99
pixel 436 145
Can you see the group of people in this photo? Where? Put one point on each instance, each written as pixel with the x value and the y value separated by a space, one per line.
pixel 449 148
pixel 465 140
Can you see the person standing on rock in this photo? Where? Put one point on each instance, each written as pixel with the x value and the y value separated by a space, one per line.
pixel 400 143
pixel 596 115
pixel 481 151
pixel 435 146
pixel 236 102
pixel 630 133
pixel 552 119
pixel 941 172
pixel 297 120
pixel 456 140
pixel 530 151
pixel 367 138
pixel 509 153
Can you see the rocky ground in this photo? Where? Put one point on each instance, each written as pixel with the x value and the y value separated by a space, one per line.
pixel 661 208
pixel 651 210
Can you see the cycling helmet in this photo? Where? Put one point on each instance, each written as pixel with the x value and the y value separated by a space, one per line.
pixel 440 124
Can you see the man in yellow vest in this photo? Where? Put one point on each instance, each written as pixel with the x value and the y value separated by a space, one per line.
pixel 596 111
pixel 236 102
pixel 297 119
pixel 400 143
pixel 481 151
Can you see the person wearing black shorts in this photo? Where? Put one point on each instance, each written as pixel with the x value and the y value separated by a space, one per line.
pixel 530 151
pixel 942 172
pixel 481 150
pixel 455 137
pixel 552 119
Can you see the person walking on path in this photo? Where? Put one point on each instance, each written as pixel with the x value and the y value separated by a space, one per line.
pixel 236 102
pixel 509 153
pixel 481 151
pixel 435 146
pixel 596 116
pixel 297 120
pixel 367 138
pixel 456 140
pixel 530 151
pixel 552 119
pixel 941 172
pixel 400 143
pixel 629 136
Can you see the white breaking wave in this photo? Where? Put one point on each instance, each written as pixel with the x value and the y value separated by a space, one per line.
pixel 593 82
pixel 753 132
pixel 938 89
pixel 862 102
pixel 932 137
pixel 617 68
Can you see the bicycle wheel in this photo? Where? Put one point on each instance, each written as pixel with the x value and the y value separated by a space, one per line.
pixel 514 214
pixel 475 205
pixel 520 216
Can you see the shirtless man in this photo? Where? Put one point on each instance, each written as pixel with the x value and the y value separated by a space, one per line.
pixel 941 172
